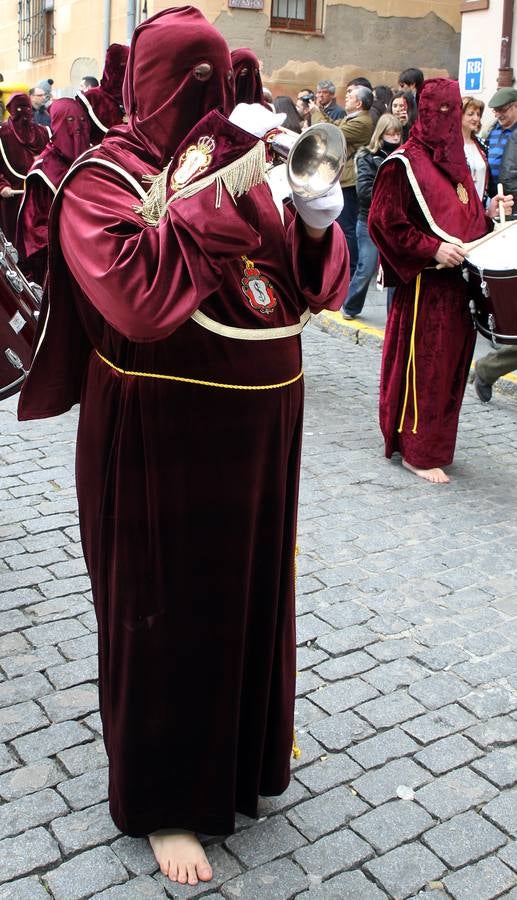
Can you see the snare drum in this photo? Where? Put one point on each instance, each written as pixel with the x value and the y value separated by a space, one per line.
pixel 19 307
pixel 491 272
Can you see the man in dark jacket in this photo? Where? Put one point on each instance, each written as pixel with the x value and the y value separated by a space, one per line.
pixel 326 100
pixel 502 159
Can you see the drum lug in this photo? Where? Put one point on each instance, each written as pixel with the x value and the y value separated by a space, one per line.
pixel 15 280
pixel 465 273
pixel 485 290
pixel 12 251
pixel 14 359
pixel 473 311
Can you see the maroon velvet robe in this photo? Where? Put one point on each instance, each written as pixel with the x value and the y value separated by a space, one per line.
pixel 187 490
pixel 70 138
pixel 32 226
pixel 16 158
pixel 444 334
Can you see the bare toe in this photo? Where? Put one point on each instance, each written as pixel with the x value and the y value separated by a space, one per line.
pixel 204 872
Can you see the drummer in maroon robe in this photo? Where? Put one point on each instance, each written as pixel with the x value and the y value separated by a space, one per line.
pixel 20 142
pixel 424 208
pixel 175 318
pixel 103 104
pixel 70 138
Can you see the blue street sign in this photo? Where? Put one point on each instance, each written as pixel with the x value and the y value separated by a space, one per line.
pixel 473 72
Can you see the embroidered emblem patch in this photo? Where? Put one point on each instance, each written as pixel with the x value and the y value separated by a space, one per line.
pixel 194 161
pixel 257 290
pixel 462 193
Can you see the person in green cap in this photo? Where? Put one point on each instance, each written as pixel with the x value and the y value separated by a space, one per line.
pixel 502 160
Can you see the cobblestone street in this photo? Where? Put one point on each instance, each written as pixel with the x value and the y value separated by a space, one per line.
pixel 407 671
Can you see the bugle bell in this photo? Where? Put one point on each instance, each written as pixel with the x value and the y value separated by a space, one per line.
pixel 314 158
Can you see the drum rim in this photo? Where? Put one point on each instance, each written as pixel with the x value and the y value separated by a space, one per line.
pixel 501 274
pixel 494 335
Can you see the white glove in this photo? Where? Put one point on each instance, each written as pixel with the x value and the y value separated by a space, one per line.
pixel 255 118
pixel 321 211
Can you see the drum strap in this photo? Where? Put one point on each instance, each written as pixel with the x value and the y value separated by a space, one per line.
pixel 411 366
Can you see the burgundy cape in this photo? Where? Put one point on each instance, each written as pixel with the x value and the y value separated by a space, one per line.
pixel 104 104
pixel 20 142
pixel 70 138
pixel 188 483
pixel 422 424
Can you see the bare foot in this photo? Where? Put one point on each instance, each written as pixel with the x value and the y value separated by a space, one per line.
pixel 436 476
pixel 180 856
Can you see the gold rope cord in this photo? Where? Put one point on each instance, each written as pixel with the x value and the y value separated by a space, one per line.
pixel 411 364
pixel 215 384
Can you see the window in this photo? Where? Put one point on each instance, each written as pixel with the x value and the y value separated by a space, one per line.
pixel 35 29
pixel 296 15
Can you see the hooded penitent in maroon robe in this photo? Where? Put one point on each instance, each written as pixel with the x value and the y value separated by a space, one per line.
pixel 423 195
pixel 181 340
pixel 70 138
pixel 104 104
pixel 20 142
pixel 248 83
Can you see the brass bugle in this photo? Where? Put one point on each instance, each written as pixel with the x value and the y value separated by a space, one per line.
pixel 314 158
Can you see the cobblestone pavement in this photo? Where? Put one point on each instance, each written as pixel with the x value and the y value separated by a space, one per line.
pixel 407 685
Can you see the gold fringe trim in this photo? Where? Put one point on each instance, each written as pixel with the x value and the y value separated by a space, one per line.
pixel 238 177
pixel 296 750
pixel 411 365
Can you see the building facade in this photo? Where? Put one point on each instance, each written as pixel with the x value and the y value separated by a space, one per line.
pixel 298 41
pixel 488 49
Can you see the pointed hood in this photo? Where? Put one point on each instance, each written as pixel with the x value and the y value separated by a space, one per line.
pixel 114 71
pixel 248 83
pixel 179 69
pixel 438 127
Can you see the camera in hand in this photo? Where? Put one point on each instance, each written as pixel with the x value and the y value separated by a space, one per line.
pixel 307 97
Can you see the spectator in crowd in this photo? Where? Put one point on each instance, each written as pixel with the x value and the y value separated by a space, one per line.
pixel 46 85
pixel 104 106
pixel 502 161
pixel 475 149
pixel 382 97
pixel 424 209
pixel 21 140
pixel 303 100
pixel 326 100
pixel 39 114
pixel 385 138
pixel 357 129
pixel 89 81
pixel 70 138
pixel 403 105
pixel 284 104
pixel 412 80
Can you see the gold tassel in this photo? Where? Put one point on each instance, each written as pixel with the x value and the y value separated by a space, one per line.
pixel 238 177
pixel 153 207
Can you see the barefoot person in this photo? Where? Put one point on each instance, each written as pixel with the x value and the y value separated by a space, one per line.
pixel 174 315
pixel 424 208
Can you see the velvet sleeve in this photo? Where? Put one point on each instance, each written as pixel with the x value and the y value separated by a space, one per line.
pixel 321 268
pixel 32 227
pixel 394 225
pixel 146 281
